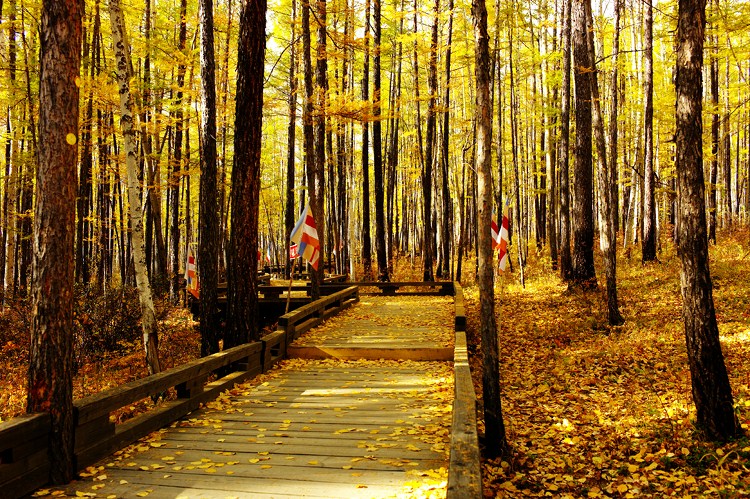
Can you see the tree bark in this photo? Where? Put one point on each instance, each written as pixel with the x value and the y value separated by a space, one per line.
pixel 712 393
pixel 495 440
pixel 289 210
pixel 429 160
pixel 148 316
pixel 242 261
pixel 366 235
pixel 566 261
pixel 317 180
pixel 50 375
pixel 714 83
pixel 584 274
pixel 209 209
pixel 607 229
pixel 174 181
pixel 648 244
pixel 377 153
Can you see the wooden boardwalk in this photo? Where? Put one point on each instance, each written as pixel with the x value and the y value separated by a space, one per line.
pixel 313 427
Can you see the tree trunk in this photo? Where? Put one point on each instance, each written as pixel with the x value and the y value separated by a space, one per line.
pixel 711 391
pixel 209 209
pixel 242 261
pixel 377 153
pixel 317 181
pixel 148 316
pixel 289 210
pixel 714 82
pixel 584 274
pixel 50 375
pixel 430 149
pixel 447 211
pixel 174 183
pixel 566 261
pixel 495 440
pixel 607 230
pixel 366 237
pixel 649 177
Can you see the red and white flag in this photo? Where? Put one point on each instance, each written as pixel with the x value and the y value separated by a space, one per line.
pixel 501 243
pixel 191 276
pixel 305 235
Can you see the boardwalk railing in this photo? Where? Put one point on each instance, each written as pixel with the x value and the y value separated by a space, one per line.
pixel 24 463
pixel 293 324
pixel 464 472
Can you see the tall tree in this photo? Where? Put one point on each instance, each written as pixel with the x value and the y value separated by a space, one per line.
pixel 316 180
pixel 563 156
pixel 174 181
pixel 648 244
pixel 209 244
pixel 366 236
pixel 607 229
pixel 291 136
pixel 124 75
pixel 447 209
pixel 711 391
pixel 50 378
pixel 430 149
pixel 714 168
pixel 584 274
pixel 377 153
pixel 495 441
pixel 242 264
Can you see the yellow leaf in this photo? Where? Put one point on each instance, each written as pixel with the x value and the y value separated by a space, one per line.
pixel 632 468
pixel 210 470
pixel 347 467
pixel 41 493
pixel 266 466
pixel 313 463
pixel 622 488
pixel 719 452
pixel 254 460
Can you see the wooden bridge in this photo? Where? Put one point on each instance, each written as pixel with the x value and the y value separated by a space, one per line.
pixel 352 396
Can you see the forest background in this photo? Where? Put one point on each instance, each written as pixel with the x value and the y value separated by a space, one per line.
pixel 421 61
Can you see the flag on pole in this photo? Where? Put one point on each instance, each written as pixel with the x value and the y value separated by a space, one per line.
pixel 305 234
pixel 502 239
pixel 293 254
pixel 191 278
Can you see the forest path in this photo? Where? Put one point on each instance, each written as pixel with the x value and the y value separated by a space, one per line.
pixel 333 427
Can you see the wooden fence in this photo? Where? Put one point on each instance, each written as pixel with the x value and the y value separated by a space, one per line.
pixel 464 471
pixel 24 463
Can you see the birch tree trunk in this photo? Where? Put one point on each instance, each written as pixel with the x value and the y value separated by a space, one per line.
pixel 148 316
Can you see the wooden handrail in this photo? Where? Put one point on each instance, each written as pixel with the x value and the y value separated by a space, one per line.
pixel 464 471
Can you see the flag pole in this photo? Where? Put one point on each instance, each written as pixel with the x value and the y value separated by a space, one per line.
pixel 289 291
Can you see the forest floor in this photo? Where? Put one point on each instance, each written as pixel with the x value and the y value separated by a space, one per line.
pixel 590 410
pixel 598 411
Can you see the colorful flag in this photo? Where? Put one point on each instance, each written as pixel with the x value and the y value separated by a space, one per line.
pixel 502 239
pixel 293 252
pixel 268 256
pixel 495 239
pixel 191 277
pixel 305 234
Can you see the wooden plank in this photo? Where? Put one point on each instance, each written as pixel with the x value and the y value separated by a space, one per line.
pixel 363 351
pixel 19 430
